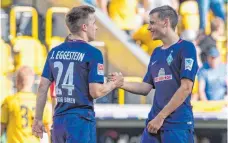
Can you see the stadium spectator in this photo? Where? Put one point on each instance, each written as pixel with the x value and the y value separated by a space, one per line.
pixel 215 5
pixel 18 110
pixel 143 37
pixel 207 41
pixel 125 14
pixel 103 5
pixel 212 77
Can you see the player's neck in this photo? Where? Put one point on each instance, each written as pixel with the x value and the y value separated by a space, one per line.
pixel 170 39
pixel 24 89
pixel 79 37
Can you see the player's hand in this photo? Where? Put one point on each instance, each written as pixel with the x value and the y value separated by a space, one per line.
pixel 38 128
pixel 111 76
pixel 155 124
pixel 118 79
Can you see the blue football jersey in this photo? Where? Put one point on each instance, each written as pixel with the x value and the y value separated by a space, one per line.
pixel 72 66
pixel 166 69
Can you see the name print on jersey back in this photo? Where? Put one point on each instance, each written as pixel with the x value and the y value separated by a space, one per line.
pixel 73 65
pixel 67 82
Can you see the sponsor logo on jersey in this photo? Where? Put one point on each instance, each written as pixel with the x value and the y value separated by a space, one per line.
pixel 188 63
pixel 162 76
pixel 153 62
pixel 169 58
pixel 100 69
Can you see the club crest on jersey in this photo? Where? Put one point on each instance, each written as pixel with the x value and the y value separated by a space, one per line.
pixel 169 58
pixel 162 76
pixel 188 63
pixel 100 69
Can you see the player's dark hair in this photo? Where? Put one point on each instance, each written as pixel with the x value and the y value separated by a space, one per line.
pixel 67 38
pixel 166 12
pixel 78 16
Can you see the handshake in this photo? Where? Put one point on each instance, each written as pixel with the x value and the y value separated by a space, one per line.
pixel 116 78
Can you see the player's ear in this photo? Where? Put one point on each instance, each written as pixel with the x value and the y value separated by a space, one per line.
pixel 84 27
pixel 166 21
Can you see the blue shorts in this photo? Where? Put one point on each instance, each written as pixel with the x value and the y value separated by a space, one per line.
pixel 73 128
pixel 168 136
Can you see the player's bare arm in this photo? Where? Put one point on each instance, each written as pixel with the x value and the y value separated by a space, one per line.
pixel 38 127
pixel 137 87
pixel 99 90
pixel 3 128
pixel 140 88
pixel 178 98
pixel 42 97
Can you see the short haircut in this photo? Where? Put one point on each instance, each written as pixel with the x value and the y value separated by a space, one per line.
pixel 78 16
pixel 24 75
pixel 166 12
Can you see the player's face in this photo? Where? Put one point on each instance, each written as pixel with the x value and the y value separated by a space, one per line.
pixel 156 27
pixel 91 27
pixel 213 61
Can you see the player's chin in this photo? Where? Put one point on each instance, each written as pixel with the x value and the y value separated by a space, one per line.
pixel 91 39
pixel 155 38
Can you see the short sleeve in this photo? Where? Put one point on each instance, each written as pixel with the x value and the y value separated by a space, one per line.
pixel 96 68
pixel 189 65
pixel 201 74
pixel 5 111
pixel 47 73
pixel 148 77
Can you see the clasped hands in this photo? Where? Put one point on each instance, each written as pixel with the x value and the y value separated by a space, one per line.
pixel 116 78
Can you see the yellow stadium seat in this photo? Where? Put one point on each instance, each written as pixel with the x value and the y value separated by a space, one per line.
pixel 209 106
pixel 30 52
pixel 6 64
pixel 55 41
pixel 123 13
pixel 144 37
pixel 195 87
pixel 189 15
pixel 5 87
pixel 6 3
pixel 51 40
pixel 28 49
pixel 222 46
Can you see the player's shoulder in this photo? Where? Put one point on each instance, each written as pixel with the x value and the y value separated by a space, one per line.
pixel 58 47
pixel 10 99
pixel 186 44
pixel 187 47
pixel 204 69
pixel 93 51
pixel 156 50
pixel 92 48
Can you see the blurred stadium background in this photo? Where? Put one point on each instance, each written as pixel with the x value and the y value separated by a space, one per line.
pixel 30 28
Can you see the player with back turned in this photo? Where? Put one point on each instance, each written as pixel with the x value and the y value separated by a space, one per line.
pixel 77 70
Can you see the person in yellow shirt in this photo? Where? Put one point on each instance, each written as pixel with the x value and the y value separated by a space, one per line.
pixel 124 14
pixel 18 110
pixel 143 37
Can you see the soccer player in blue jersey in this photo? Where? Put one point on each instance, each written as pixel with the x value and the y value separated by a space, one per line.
pixel 171 71
pixel 78 72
